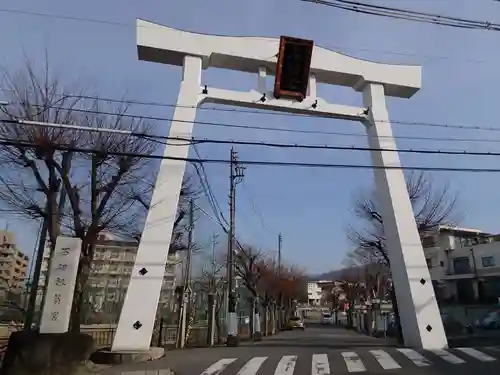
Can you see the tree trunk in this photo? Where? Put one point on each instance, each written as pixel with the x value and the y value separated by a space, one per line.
pixel 251 327
pixel 397 320
pixel 266 319
pixel 78 297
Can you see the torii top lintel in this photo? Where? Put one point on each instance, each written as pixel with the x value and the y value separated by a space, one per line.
pixel 166 45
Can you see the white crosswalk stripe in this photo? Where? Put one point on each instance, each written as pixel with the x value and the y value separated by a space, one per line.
pixel 286 365
pixel 252 366
pixel 417 358
pixel 477 354
pixel 353 362
pixel 148 372
pixel 447 356
pixel 218 366
pixel 387 359
pixel 320 365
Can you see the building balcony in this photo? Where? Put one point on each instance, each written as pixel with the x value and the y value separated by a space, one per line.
pixel 6 252
pixel 453 275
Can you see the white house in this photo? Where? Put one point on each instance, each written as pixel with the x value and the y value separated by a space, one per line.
pixel 464 264
pixel 314 293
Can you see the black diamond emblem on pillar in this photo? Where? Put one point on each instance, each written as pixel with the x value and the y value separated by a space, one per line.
pixel 428 328
pixel 143 271
pixel 422 281
pixel 137 325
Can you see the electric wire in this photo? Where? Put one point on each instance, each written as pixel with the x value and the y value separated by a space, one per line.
pixel 203 176
pixel 408 15
pixel 186 141
pixel 329 147
pixel 19 144
pixel 256 211
pixel 259 112
pixel 123 24
pixel 303 131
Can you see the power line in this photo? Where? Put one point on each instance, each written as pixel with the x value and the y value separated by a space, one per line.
pixel 256 211
pixel 202 175
pixel 264 128
pixel 408 15
pixel 331 147
pixel 248 162
pixel 340 47
pixel 194 141
pixel 260 112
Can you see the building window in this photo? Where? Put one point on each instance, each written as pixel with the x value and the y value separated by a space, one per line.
pixel 429 241
pixel 114 255
pixel 488 261
pixel 112 269
pixel 462 265
pixel 96 267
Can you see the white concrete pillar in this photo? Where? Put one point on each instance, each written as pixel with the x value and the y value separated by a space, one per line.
pixel 136 323
pixel 261 82
pixel 420 318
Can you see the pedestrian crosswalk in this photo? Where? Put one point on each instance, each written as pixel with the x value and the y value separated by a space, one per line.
pixel 347 362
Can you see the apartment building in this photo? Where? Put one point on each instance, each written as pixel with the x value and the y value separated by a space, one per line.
pixel 314 293
pixel 13 265
pixel 110 275
pixel 464 264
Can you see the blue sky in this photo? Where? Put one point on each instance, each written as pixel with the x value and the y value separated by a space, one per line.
pixel 311 207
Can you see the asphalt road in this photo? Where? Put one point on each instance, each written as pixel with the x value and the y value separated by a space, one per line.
pixel 322 351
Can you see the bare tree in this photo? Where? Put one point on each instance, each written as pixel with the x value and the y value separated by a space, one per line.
pixel 249 263
pixel 213 281
pixel 141 195
pixel 433 206
pixel 79 182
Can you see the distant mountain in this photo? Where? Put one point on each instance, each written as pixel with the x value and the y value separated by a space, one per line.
pixel 348 272
pixel 330 275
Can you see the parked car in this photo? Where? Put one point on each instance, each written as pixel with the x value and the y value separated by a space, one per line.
pixel 295 322
pixel 326 318
pixel 490 321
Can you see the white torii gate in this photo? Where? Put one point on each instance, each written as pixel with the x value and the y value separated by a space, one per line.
pixel 420 318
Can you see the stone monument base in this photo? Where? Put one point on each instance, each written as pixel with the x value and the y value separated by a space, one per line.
pixel 107 357
pixel 33 353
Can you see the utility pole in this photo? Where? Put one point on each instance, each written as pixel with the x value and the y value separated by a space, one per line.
pixel 280 240
pixel 214 260
pixel 31 305
pixel 236 173
pixel 187 280
pixel 280 312
pixel 212 292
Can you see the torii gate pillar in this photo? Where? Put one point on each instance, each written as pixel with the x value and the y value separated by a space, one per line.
pixel 420 318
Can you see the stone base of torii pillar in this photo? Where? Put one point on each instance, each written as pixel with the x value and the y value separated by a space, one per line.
pixel 420 318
